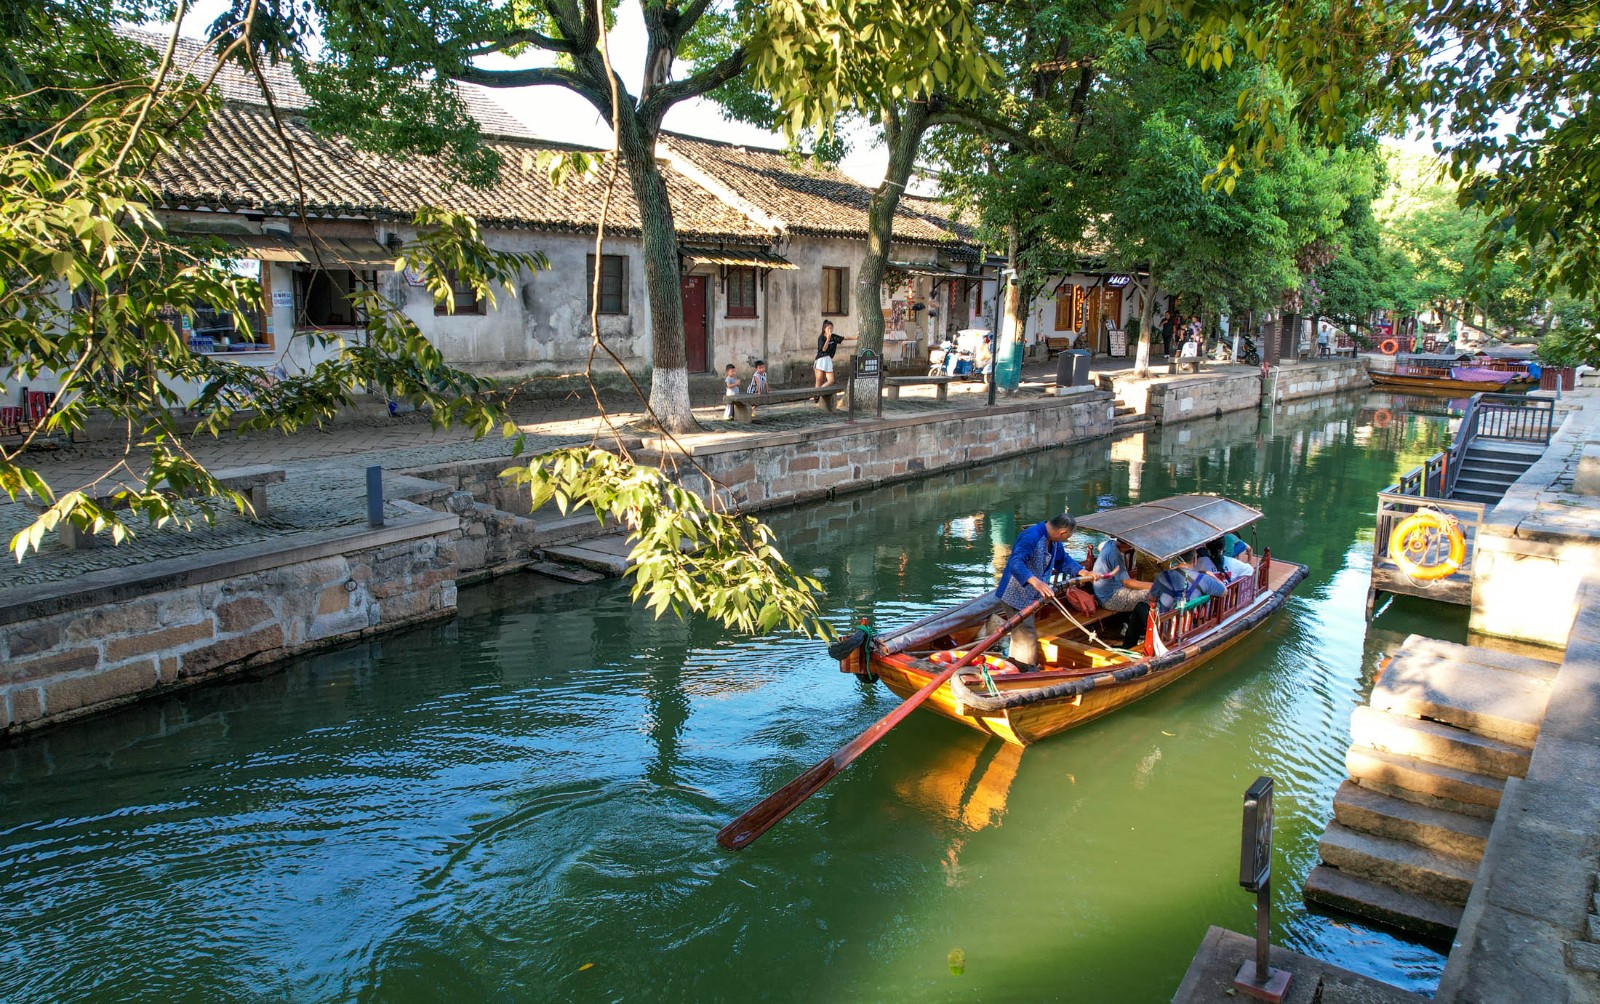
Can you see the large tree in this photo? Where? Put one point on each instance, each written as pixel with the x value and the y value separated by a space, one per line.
pixel 1507 91
pixel 814 58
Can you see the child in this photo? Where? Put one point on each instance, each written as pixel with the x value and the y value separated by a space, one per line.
pixel 730 380
pixel 758 382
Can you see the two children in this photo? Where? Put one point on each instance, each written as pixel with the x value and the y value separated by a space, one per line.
pixel 730 380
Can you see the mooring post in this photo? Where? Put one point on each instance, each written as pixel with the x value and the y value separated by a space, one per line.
pixel 374 496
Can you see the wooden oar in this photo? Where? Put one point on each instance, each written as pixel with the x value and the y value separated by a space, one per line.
pixel 742 832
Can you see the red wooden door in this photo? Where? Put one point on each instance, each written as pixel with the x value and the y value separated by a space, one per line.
pixel 694 322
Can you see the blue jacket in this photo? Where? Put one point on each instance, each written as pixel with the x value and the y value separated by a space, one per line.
pixel 1029 559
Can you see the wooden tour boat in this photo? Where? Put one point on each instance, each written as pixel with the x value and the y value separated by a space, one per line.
pixel 1448 374
pixel 1081 677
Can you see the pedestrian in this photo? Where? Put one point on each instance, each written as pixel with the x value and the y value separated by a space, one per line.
pixel 730 381
pixel 827 344
pixel 1322 339
pixel 1038 553
pixel 758 382
pixel 1169 321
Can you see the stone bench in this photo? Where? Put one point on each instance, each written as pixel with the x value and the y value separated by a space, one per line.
pixel 892 385
pixel 744 405
pixel 1177 364
pixel 249 481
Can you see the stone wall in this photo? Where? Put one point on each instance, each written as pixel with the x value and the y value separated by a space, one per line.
pixel 109 638
pixel 785 468
pixel 1317 379
pixel 1204 396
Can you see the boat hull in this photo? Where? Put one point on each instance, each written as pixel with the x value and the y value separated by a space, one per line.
pixel 1026 723
pixel 1443 385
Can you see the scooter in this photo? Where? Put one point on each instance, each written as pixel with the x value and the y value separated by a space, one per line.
pixel 1247 352
pixel 937 356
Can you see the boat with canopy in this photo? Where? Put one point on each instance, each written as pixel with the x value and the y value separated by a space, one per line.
pixel 1453 374
pixel 1081 676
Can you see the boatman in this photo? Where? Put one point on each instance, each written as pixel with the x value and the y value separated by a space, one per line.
pixel 1038 553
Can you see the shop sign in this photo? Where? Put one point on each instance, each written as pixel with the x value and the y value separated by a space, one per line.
pixel 1118 281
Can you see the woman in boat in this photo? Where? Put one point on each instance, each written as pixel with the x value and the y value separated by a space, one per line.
pixel 1038 553
pixel 1117 590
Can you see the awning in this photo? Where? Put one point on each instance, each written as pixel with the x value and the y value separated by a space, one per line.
pixel 346 252
pixel 926 268
pixel 1169 527
pixel 748 257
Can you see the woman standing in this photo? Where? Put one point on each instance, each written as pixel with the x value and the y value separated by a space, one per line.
pixel 827 344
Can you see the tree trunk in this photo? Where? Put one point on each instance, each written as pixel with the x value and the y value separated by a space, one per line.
pixel 669 377
pixel 1141 358
pixel 903 134
pixel 1012 332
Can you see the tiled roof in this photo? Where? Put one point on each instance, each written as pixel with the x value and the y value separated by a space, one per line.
pixel 239 163
pixel 236 83
pixel 811 199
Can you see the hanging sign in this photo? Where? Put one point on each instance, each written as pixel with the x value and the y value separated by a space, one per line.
pixel 1118 281
pixel 282 298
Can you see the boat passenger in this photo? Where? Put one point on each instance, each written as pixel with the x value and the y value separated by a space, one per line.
pixel 1116 589
pixel 1181 583
pixel 1216 561
pixel 1038 553
pixel 1233 547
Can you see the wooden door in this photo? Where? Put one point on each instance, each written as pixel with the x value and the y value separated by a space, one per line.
pixel 694 323
pixel 1092 327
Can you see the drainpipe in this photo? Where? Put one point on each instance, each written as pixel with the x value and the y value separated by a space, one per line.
pixel 766 312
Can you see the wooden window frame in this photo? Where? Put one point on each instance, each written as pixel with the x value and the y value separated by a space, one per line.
pixel 464 299
pixel 738 275
pixel 1064 308
pixel 612 302
pixel 842 289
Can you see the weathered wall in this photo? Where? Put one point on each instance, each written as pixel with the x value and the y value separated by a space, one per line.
pixel 1316 379
pixel 107 639
pixel 784 468
pixel 1174 401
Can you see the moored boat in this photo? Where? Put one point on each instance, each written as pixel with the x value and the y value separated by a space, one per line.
pixel 1082 676
pixel 1450 374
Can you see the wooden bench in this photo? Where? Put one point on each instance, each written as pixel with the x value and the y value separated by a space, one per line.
pixel 744 405
pixel 249 481
pixel 892 385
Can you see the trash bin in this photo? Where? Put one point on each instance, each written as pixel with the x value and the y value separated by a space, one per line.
pixel 1079 371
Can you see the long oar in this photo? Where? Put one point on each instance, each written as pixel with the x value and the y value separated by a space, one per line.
pixel 742 832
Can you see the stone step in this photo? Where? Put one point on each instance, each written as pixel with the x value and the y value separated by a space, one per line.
pixel 1486 473
pixel 1368 811
pixel 1441 877
pixel 1438 743
pixel 1328 886
pixel 1467 495
pixel 567 573
pixel 1488 486
pixel 1425 783
pixel 1458 689
pixel 1542 669
pixel 1494 462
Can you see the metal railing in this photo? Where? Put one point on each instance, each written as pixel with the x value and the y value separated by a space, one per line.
pixel 1394 506
pixel 1506 417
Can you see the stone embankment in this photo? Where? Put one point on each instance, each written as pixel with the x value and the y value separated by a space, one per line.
pixel 1170 400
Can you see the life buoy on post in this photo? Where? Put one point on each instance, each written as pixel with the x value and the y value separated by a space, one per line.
pixel 1415 541
pixel 1382 418
pixel 1389 346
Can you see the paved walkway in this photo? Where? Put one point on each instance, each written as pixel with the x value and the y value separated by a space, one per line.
pixel 325 484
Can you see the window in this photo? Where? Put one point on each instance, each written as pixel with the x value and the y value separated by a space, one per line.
pixel 741 292
pixel 613 283
pixel 322 298
pixel 835 291
pixel 463 299
pixel 218 328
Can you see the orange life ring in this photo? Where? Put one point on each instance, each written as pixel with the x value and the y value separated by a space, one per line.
pixel 1382 418
pixel 994 663
pixel 1419 534
pixel 1389 347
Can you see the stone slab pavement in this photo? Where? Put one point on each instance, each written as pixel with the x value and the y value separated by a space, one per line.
pixel 1312 981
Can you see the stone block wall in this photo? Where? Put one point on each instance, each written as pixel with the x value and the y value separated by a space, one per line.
pixel 786 468
pixel 1204 396
pixel 90 646
pixel 1316 379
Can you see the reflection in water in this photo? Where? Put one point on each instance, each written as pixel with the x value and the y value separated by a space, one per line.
pixel 520 804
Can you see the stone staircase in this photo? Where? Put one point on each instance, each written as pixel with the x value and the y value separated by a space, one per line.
pixel 1489 468
pixel 1428 762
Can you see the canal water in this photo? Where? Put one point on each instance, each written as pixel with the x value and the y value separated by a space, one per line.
pixel 520 804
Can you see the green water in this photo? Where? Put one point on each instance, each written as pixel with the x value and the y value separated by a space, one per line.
pixel 520 804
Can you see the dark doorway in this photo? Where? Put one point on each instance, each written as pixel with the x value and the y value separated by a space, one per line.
pixel 694 322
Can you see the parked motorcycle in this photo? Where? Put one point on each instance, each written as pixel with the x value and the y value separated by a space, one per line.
pixel 1248 353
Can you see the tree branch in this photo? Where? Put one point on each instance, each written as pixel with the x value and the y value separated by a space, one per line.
pixel 546 42
pixel 654 107
pixel 543 76
pixel 972 118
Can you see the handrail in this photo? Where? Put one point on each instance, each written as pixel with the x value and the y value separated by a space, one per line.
pixel 1511 417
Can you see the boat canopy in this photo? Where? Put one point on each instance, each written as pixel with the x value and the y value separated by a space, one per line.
pixel 1432 358
pixel 1169 527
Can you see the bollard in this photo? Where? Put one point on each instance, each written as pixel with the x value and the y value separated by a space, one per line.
pixel 374 496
